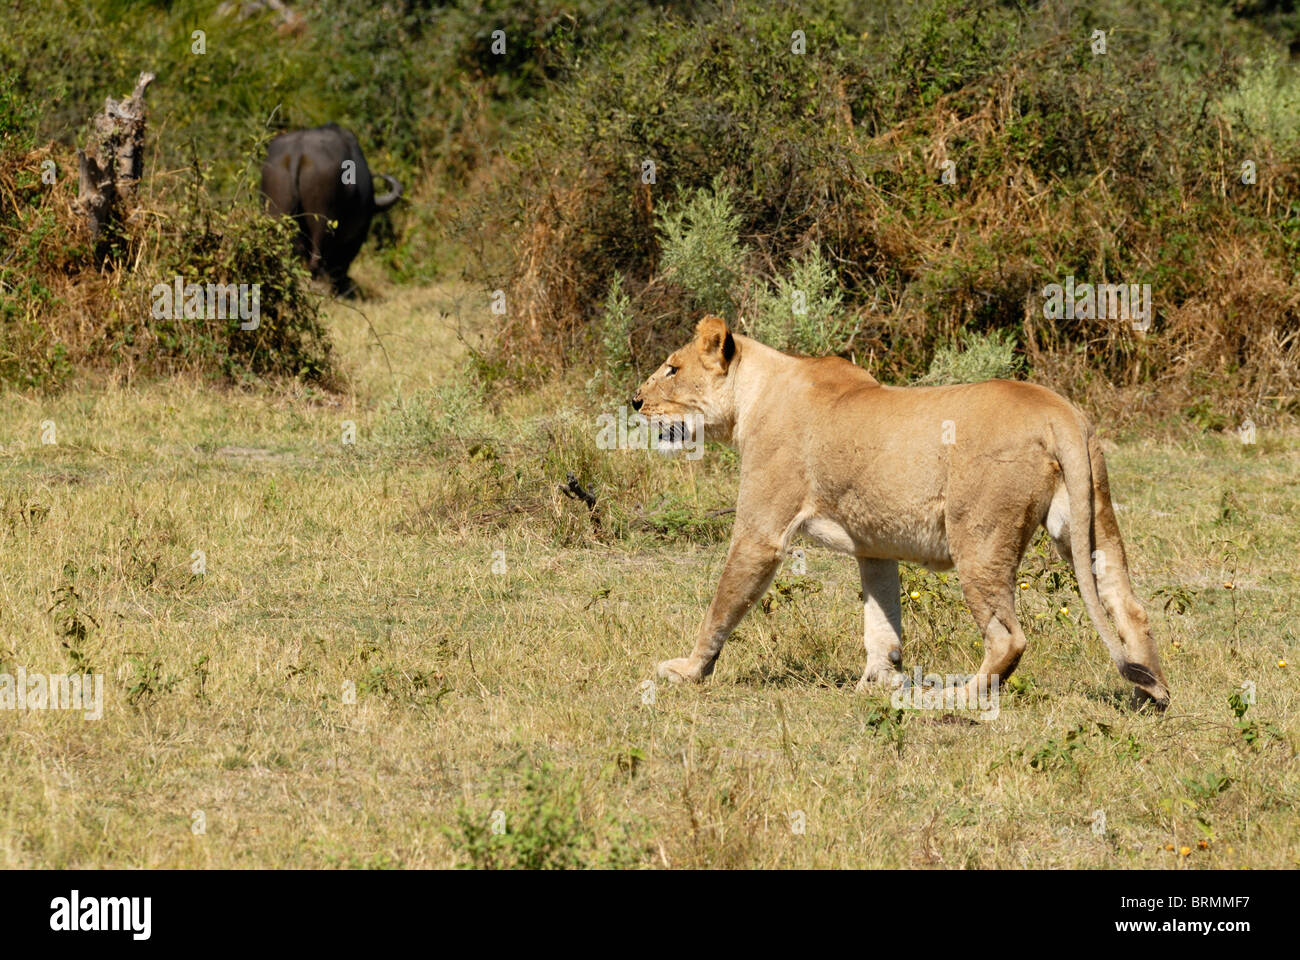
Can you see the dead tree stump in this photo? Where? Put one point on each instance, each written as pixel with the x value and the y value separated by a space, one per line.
pixel 112 163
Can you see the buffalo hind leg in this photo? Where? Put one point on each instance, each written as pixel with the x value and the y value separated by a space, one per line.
pixel 317 230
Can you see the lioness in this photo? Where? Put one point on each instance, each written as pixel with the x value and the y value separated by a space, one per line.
pixel 958 476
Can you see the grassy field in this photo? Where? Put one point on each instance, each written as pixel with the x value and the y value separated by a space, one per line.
pixel 396 644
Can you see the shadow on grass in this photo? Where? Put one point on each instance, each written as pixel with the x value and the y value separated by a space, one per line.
pixel 1118 698
pixel 796 675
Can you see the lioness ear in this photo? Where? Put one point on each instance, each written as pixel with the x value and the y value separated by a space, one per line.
pixel 716 344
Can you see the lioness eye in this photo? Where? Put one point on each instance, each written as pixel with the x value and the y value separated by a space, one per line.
pixel 671 370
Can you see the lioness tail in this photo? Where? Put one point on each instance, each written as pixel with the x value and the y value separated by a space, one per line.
pixel 1076 467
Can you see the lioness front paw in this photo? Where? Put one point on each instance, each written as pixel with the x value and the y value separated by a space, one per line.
pixel 679 671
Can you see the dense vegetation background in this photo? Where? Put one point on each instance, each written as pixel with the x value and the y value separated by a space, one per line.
pixel 913 172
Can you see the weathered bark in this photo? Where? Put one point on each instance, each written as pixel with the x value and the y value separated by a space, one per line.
pixel 112 162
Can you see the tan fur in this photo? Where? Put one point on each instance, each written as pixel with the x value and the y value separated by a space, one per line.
pixel 959 476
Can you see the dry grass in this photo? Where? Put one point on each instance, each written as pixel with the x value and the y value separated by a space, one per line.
pixel 371 565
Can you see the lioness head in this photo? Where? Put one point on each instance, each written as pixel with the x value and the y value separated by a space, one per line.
pixel 690 394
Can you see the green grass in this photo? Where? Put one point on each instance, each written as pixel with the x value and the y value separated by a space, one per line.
pixel 351 684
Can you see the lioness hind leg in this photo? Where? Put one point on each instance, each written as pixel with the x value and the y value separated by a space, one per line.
pixel 986 566
pixel 882 623
pixel 994 609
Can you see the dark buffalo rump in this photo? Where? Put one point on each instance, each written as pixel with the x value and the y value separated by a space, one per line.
pixel 307 176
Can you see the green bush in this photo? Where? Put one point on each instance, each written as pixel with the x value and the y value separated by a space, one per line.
pixel 546 830
pixel 616 329
pixel 702 253
pixel 803 311
pixel 1266 101
pixel 433 418
pixel 808 143
pixel 206 243
pixel 988 356
pixel 18 117
pixel 701 249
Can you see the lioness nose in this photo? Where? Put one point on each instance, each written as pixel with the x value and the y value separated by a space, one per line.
pixel 636 402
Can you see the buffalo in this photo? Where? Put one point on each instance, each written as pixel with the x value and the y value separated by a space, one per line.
pixel 320 178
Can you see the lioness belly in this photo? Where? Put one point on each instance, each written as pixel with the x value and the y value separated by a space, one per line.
pixel 922 540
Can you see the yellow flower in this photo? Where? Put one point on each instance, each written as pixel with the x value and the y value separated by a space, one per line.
pixel 1185 851
pixel 915 595
pixel 1169 846
pixel 1228 586
pixel 1281 663
pixel 1176 644
pixel 1065 610
pixel 1024 586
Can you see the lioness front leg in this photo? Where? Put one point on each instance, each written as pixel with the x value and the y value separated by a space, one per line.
pixel 882 623
pixel 751 565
